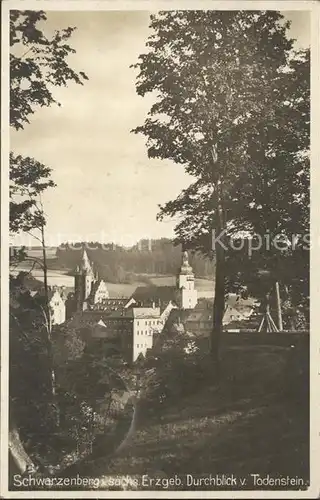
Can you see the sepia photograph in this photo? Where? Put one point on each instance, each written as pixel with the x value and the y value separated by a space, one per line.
pixel 156 250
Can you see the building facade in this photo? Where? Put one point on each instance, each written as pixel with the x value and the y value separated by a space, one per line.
pixel 57 306
pixel 133 322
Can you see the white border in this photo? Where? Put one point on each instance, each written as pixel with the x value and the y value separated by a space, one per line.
pixel 150 5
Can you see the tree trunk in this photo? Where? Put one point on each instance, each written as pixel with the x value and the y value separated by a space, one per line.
pixel 19 460
pixel 45 267
pixel 219 296
pixel 49 330
pixel 218 308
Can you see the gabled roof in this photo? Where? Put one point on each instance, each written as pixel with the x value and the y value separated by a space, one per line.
pixel 85 263
pixel 135 312
pixel 90 319
pixel 231 314
pixel 154 293
pixel 109 305
pixel 101 323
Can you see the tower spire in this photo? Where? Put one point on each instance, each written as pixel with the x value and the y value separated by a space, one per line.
pixel 85 263
pixel 187 294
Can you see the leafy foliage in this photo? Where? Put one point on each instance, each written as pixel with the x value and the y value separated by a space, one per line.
pixel 42 65
pixel 175 367
pixel 28 179
pixel 30 377
pixel 211 68
pixel 233 108
pixel 38 63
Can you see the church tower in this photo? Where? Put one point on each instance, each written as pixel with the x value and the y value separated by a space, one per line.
pixel 188 296
pixel 83 280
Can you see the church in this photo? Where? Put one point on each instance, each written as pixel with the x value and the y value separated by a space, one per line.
pixel 132 321
pixel 89 289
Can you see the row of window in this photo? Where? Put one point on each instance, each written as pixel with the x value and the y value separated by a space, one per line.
pixel 144 332
pixel 141 345
pixel 149 322
pixel 116 322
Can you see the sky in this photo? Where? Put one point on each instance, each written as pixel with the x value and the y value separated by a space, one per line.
pixel 107 187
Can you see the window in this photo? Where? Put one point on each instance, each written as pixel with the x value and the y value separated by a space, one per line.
pixel 138 323
pixel 138 345
pixel 146 332
pixel 138 332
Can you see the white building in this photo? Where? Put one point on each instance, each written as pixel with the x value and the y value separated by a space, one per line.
pixel 57 306
pixel 187 294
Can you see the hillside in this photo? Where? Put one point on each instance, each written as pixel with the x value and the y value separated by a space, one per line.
pixel 256 422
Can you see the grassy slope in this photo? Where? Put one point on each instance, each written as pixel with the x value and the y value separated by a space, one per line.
pixel 251 424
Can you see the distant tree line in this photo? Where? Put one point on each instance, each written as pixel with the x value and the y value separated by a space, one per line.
pixel 118 264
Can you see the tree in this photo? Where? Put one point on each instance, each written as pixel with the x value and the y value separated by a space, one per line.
pixel 37 65
pixel 28 180
pixel 218 76
pixel 32 414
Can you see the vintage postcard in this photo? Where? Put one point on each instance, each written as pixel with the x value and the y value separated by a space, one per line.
pixel 157 337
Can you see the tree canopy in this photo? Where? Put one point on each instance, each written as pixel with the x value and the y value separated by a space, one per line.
pixel 232 106
pixel 38 64
pixel 228 84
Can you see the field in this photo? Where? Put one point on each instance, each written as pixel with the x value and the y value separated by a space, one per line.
pixel 37 252
pixel 59 277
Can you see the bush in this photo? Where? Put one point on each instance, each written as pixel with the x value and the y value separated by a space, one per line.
pixel 172 372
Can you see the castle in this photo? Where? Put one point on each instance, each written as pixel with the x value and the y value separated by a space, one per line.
pixel 127 321
pixel 134 321
pixel 91 292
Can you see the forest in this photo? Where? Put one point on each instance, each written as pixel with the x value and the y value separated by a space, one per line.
pixel 117 264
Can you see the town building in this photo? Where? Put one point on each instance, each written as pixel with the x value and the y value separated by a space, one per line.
pixel 57 305
pixel 132 322
pixel 134 327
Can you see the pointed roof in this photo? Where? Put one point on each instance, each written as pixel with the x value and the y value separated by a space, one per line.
pixel 101 323
pixel 185 267
pixel 85 263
